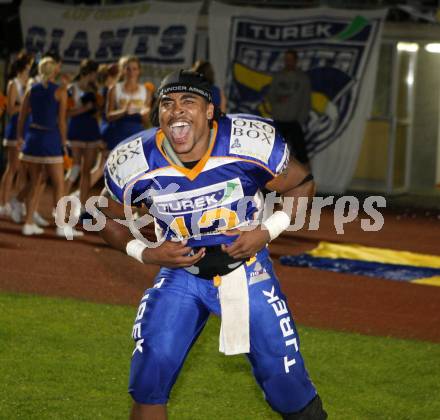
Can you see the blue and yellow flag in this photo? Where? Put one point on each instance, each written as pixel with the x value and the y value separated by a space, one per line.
pixel 369 261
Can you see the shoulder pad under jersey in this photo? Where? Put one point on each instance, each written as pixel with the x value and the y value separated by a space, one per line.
pixel 128 161
pixel 256 139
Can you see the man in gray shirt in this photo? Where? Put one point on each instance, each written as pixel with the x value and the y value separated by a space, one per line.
pixel 289 97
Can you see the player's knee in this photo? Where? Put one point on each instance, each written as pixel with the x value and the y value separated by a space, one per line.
pixel 149 382
pixel 288 393
pixel 312 411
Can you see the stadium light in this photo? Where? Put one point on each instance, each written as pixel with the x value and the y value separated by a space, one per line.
pixel 408 46
pixel 433 47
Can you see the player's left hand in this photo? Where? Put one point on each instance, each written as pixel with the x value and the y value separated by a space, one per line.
pixel 247 244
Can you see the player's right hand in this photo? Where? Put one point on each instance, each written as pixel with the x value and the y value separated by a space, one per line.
pixel 172 255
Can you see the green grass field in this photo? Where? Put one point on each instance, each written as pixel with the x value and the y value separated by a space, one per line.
pixel 67 359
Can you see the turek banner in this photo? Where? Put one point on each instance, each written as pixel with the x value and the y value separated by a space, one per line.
pixel 161 33
pixel 338 49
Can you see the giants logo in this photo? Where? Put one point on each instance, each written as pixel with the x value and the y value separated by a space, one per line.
pixel 334 51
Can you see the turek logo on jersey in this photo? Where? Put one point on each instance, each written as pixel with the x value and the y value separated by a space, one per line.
pixel 205 198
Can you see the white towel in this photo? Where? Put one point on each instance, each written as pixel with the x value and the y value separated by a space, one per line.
pixel 234 302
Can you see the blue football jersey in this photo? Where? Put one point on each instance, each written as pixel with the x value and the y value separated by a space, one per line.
pixel 221 192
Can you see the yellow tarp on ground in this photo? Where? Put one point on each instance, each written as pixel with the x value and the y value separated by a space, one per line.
pixel 380 255
pixel 431 281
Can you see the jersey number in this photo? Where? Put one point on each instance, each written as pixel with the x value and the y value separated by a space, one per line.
pixel 228 216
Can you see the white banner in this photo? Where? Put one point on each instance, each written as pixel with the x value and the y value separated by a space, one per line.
pixel 338 49
pixel 161 33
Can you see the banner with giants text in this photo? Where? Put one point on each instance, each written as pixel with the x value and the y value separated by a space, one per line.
pixel 338 49
pixel 161 34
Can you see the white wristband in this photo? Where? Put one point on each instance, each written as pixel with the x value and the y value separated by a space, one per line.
pixel 276 224
pixel 135 248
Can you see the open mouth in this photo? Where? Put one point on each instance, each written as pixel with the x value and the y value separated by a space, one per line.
pixel 180 130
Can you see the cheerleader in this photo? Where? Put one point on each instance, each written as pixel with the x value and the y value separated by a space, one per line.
pixel 45 141
pixel 15 93
pixel 83 130
pixel 18 208
pixel 107 77
pixel 128 104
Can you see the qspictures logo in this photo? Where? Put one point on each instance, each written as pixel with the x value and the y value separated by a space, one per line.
pixel 171 206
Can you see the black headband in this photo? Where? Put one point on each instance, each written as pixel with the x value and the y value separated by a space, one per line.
pixel 185 87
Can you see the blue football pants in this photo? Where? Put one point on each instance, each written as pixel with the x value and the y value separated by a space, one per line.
pixel 173 313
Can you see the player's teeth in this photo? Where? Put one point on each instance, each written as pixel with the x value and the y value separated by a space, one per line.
pixel 179 124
